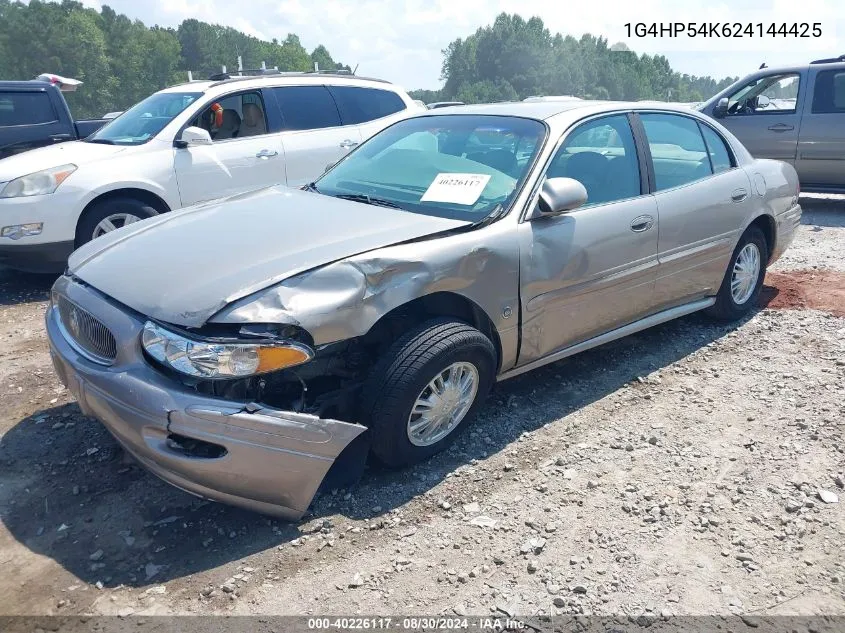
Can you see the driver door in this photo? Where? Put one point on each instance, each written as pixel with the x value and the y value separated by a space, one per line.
pixel 592 269
pixel 771 130
pixel 244 155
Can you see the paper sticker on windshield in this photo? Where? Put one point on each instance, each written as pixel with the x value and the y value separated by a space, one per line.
pixel 456 188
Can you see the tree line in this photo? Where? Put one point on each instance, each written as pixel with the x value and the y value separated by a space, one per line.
pixel 516 58
pixel 122 61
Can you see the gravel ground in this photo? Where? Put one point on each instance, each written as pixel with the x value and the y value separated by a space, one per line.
pixel 696 468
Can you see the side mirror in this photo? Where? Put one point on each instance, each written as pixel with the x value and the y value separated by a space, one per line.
pixel 721 108
pixel 763 101
pixel 559 195
pixel 195 136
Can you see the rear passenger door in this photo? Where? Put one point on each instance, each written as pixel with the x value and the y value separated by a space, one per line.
pixel 29 120
pixel 821 144
pixel 702 197
pixel 313 135
pixel 371 109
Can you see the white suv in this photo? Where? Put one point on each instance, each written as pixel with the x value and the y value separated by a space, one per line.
pixel 184 145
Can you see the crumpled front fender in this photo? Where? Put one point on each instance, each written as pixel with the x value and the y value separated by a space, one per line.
pixel 344 299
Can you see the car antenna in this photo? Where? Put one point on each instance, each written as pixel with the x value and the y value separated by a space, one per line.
pixel 762 66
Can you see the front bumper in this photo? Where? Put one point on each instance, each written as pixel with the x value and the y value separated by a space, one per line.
pixel 274 460
pixel 35 258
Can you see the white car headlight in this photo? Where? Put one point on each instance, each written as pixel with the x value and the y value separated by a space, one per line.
pixel 209 359
pixel 39 183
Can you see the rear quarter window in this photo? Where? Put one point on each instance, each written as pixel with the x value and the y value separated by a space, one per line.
pixel 720 157
pixel 25 108
pixel 359 105
pixel 829 92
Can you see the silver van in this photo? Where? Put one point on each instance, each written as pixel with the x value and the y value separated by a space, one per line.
pixel 795 114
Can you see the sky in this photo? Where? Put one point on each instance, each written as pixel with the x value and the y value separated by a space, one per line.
pixel 402 40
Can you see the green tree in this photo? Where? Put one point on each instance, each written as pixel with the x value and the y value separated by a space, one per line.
pixel 514 55
pixel 321 56
pixel 487 91
pixel 122 61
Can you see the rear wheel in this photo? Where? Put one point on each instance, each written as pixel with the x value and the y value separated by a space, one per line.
pixel 425 389
pixel 743 280
pixel 110 214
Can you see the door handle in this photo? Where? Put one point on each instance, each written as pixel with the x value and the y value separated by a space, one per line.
pixel 642 223
pixel 781 127
pixel 348 143
pixel 739 195
pixel 60 137
pixel 266 153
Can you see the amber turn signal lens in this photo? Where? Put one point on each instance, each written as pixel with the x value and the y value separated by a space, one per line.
pixel 273 358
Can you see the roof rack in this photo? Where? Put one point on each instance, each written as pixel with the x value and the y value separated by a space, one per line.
pixel 831 60
pixel 241 75
pixel 244 72
pixel 337 71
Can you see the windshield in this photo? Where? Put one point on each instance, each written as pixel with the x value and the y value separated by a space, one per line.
pixel 463 167
pixel 144 120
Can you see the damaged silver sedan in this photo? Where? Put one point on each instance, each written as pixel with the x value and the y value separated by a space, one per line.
pixel 252 349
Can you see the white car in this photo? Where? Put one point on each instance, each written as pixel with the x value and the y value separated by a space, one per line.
pixel 181 146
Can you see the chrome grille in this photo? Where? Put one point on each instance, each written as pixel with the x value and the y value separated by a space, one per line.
pixel 89 336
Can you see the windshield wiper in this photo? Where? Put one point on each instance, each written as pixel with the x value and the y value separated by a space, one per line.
pixel 497 212
pixel 362 197
pixel 311 186
pixel 101 141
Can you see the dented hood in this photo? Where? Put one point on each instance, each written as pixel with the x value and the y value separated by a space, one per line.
pixel 184 266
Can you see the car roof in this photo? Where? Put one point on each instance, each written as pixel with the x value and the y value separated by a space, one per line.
pixel 822 64
pixel 543 110
pixel 32 84
pixel 280 79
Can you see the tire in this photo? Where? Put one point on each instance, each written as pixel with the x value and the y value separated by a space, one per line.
pixel 118 206
pixel 727 308
pixel 404 374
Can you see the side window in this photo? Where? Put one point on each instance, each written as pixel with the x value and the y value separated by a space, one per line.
pixel 677 149
pixel 25 108
pixel 307 107
pixel 829 93
pixel 601 155
pixel 773 94
pixel 235 116
pixel 720 157
pixel 359 105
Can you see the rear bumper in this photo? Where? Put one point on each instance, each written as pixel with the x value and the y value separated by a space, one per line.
pixel 271 461
pixel 787 225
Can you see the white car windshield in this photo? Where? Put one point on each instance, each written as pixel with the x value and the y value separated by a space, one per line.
pixel 458 166
pixel 144 120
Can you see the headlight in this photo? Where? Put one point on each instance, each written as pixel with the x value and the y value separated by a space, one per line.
pixel 37 184
pixel 208 359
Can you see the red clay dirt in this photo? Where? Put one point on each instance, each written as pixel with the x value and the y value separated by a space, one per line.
pixel 799 289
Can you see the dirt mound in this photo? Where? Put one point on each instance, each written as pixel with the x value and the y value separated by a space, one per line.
pixel 816 289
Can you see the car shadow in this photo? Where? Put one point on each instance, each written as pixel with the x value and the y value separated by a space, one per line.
pixel 767 295
pixel 17 287
pixel 70 492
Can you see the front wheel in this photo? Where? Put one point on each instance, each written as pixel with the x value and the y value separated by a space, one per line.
pixel 743 280
pixel 110 214
pixel 424 390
